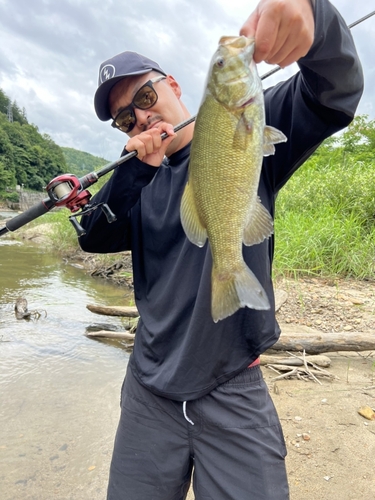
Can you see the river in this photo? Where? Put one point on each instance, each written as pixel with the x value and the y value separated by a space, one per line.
pixel 59 389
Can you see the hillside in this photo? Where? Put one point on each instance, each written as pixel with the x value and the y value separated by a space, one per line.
pixel 81 163
pixel 31 159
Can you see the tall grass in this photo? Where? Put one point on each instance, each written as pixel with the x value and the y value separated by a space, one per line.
pixel 63 236
pixel 325 220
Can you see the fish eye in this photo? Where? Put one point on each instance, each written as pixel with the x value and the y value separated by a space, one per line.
pixel 220 62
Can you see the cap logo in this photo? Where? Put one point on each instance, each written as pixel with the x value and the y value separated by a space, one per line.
pixel 107 72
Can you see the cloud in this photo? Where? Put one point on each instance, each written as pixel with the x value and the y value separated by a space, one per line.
pixel 50 53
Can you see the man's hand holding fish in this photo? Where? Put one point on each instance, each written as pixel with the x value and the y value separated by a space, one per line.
pixel 283 30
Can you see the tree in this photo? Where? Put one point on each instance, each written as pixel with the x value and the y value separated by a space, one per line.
pixel 7 178
pixel 28 157
pixel 4 101
pixel 359 138
pixel 6 159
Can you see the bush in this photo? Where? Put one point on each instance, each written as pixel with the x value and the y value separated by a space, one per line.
pixel 13 197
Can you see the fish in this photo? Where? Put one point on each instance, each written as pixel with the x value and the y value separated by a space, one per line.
pixel 220 200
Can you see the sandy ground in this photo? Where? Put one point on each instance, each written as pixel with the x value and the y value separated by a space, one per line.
pixel 337 458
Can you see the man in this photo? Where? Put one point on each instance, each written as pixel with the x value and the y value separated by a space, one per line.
pixel 194 394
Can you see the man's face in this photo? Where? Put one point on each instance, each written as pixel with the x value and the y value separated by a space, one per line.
pixel 168 107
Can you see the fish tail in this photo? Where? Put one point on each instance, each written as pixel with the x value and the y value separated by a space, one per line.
pixel 230 292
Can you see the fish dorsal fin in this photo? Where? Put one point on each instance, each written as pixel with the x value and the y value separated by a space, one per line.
pixel 259 225
pixel 271 136
pixel 190 221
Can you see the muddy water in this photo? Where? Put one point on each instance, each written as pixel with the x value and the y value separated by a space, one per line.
pixel 59 390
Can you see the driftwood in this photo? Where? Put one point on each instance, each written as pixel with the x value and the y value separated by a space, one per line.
pixel 125 311
pixel 111 335
pixel 309 370
pixel 302 373
pixel 313 343
pixel 319 360
pixel 21 311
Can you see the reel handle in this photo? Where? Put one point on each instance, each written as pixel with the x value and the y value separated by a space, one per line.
pixel 110 216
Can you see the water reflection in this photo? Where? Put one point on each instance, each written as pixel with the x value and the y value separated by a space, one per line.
pixel 59 389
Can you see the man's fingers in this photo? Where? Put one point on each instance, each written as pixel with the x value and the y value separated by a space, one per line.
pixel 284 58
pixel 250 25
pixel 268 38
pixel 283 30
pixel 149 145
pixel 289 52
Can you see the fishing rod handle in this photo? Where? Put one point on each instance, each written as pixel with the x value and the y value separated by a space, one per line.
pixel 29 215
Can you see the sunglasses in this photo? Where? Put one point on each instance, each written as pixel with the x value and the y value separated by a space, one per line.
pixel 144 98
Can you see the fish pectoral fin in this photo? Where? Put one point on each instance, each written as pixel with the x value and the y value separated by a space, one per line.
pixel 271 136
pixel 190 220
pixel 230 292
pixel 242 134
pixel 268 149
pixel 259 225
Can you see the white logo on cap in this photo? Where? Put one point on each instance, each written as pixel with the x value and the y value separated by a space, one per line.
pixel 107 72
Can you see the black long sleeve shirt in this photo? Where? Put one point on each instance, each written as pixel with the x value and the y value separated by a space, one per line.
pixel 179 352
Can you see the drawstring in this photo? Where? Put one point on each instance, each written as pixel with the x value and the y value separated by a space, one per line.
pixel 185 415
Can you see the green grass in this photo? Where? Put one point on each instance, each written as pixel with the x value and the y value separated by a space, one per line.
pixel 64 237
pixel 325 219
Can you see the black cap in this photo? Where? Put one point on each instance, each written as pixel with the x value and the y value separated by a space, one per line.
pixel 115 69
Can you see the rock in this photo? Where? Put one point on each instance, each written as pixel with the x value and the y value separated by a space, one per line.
pixel 281 297
pixel 367 412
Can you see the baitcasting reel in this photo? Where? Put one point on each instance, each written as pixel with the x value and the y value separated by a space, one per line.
pixel 68 191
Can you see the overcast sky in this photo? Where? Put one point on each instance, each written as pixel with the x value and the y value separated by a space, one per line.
pixel 50 52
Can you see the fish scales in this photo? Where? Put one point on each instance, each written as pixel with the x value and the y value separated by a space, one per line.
pixel 206 179
pixel 220 200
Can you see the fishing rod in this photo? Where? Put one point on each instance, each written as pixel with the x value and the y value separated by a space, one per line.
pixel 69 191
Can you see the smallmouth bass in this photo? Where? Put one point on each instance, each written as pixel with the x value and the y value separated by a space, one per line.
pixel 220 201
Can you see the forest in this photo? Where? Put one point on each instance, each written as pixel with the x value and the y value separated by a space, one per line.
pixel 31 159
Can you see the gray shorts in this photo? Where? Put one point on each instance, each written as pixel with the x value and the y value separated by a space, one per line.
pixel 230 441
